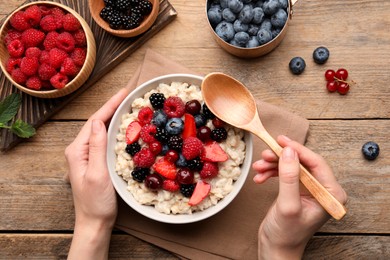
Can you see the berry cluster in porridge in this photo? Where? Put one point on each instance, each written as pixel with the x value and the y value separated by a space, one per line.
pixel 174 153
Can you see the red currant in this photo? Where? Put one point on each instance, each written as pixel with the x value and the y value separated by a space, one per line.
pixel 204 133
pixel 332 86
pixel 155 147
pixel 329 75
pixel 217 122
pixel 153 181
pixel 185 176
pixel 172 156
pixel 342 74
pixel 193 107
pixel 343 88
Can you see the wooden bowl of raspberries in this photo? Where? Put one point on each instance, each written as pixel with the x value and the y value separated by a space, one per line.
pixel 124 18
pixel 47 49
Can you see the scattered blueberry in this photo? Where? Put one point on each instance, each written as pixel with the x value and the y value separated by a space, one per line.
pixel 370 150
pixel 278 19
pixel 271 6
pixel 228 15
pixel 225 31
pixel 246 14
pixel 297 65
pixel 321 55
pixel 174 126
pixel 253 42
pixel 235 5
pixel 258 15
pixel 264 36
pixel 241 38
pixel 239 26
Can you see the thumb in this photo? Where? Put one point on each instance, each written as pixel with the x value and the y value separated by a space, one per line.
pixel 289 200
pixel 97 146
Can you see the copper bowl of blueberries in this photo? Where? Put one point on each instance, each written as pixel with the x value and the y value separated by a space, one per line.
pixel 124 18
pixel 249 28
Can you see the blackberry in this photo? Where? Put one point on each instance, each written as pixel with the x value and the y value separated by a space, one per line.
pixel 123 5
pixel 195 164
pixel 110 3
pixel 187 189
pixel 162 135
pixel 146 7
pixel 157 100
pixel 175 142
pixel 133 148
pixel 106 13
pixel 127 23
pixel 115 21
pixel 136 19
pixel 139 174
pixel 218 134
pixel 206 112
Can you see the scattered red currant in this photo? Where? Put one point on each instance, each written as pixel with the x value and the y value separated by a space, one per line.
pixel 332 86
pixel 336 81
pixel 343 88
pixel 341 74
pixel 329 75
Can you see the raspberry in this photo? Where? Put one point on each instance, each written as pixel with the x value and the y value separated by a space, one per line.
pixel 70 23
pixel 48 23
pixel 66 42
pixel 192 147
pixel 45 10
pixel 174 107
pixel 45 71
pixel 29 66
pixel 209 170
pixel 32 37
pixel 145 115
pixel 34 83
pixel 78 56
pixel 69 68
pixel 80 38
pixel 58 14
pixel 18 76
pixel 12 64
pixel 59 80
pixel 56 57
pixel 15 48
pixel 45 57
pixel 50 41
pixel 19 22
pixel 46 84
pixel 144 158
pixel 12 35
pixel 33 52
pixel 147 133
pixel 33 15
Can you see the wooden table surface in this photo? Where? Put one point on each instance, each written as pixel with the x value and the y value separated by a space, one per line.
pixel 37 215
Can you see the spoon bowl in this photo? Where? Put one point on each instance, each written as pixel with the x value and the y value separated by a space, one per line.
pixel 233 103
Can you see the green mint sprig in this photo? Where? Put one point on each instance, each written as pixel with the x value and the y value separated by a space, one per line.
pixel 9 107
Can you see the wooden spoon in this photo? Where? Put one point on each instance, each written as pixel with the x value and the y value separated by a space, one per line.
pixel 232 102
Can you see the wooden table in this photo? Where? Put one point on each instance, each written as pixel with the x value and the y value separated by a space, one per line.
pixel 36 205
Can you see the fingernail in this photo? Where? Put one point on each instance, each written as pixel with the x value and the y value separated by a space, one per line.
pixel 96 126
pixel 258 163
pixel 286 138
pixel 288 153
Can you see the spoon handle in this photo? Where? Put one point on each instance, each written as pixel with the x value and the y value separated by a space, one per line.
pixel 322 195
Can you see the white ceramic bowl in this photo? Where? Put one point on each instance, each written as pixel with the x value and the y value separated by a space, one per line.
pixel 121 186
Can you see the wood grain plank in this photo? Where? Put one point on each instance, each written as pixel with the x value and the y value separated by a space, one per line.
pixel 123 246
pixel 34 196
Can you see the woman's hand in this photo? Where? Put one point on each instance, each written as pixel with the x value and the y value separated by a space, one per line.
pixel 93 194
pixel 296 215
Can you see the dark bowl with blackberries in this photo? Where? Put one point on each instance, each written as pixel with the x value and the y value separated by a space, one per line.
pixel 248 28
pixel 124 18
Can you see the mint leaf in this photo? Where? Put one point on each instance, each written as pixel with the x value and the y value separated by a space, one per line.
pixel 22 129
pixel 9 107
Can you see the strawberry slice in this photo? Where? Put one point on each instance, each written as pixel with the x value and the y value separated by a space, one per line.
pixel 132 132
pixel 213 152
pixel 165 168
pixel 170 185
pixel 202 189
pixel 189 126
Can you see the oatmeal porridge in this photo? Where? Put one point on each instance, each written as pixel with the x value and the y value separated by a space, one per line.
pixel 158 150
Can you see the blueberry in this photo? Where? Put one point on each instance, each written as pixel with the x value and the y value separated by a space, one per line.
pixel 258 15
pixel 264 36
pixel 253 42
pixel 224 3
pixel 228 15
pixel 174 126
pixel 200 120
pixel 253 29
pixel 266 24
pixel 246 1
pixel 271 6
pixel 259 3
pixel 225 31
pixel 165 149
pixel 159 118
pixel 241 38
pixel 370 150
pixel 320 55
pixel 283 4
pixel 214 15
pixel 297 65
pixel 235 5
pixel 238 26
pixel 246 14
pixel 278 19
pixel 181 162
pixel 235 43
pixel 275 32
